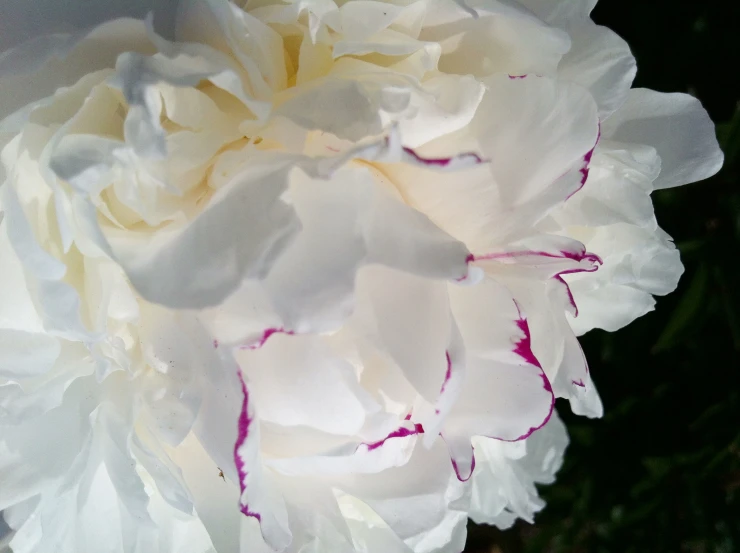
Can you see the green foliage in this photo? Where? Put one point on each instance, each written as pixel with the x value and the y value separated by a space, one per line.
pixel 660 473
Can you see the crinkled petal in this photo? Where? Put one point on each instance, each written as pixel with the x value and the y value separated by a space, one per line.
pixel 504 482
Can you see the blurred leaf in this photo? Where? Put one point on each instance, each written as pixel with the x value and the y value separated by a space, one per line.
pixel 693 300
pixel 728 135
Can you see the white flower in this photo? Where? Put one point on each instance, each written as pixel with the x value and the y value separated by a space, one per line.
pixel 267 286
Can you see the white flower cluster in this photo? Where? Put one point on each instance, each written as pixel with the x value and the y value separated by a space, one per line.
pixel 309 277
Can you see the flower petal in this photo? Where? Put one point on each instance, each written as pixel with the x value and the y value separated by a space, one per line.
pixel 504 482
pixel 677 126
pixel 306 385
pixel 600 61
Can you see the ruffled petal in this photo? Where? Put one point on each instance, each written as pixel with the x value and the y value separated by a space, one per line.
pixel 35 73
pixel 504 482
pixel 505 394
pixel 677 126
pixel 501 200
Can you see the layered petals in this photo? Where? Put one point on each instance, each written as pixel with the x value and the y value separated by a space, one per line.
pixel 309 277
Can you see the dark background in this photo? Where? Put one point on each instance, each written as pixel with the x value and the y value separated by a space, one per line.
pixel 660 473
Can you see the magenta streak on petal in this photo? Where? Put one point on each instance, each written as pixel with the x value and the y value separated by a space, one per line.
pixel 265 336
pixel 523 348
pixel 561 280
pixel 579 383
pixel 241 438
pixel 402 432
pixel 582 256
pixel 564 254
pixel 215 343
pixel 575 256
pixel 586 165
pixel 442 161
pixel 571 299
pixel 457 469
pixel 513 77
pixel 468 260
pixel 448 374
pixel 332 149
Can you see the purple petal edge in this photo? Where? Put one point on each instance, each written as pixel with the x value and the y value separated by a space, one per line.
pixel 523 348
pixel 401 432
pixel 242 434
pixel 586 165
pixel 562 254
pixel 448 374
pixel 443 161
pixel 457 469
pixel 579 256
pixel 265 336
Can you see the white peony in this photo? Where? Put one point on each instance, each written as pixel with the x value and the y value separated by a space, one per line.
pixel 288 282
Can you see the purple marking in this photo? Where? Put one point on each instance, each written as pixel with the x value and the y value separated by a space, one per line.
pixel 578 256
pixel 265 336
pixel 443 161
pixel 571 299
pixel 407 417
pixel 523 348
pixel 579 383
pixel 402 432
pixel 457 469
pixel 560 279
pixel 514 77
pixel 448 374
pixel 586 165
pixel 468 260
pixel 582 256
pixel 215 343
pixel 242 434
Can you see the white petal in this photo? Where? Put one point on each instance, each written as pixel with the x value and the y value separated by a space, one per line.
pixel 176 347
pixel 305 385
pixel 25 354
pixel 600 61
pixel 637 263
pixel 233 31
pixel 199 264
pixel 411 320
pixel 422 502
pixel 504 38
pixel 677 126
pixel 216 501
pixel 367 226
pixel 61 61
pixel 503 484
pixel 504 396
pixel 258 498
pixel 618 188
pixel 505 197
